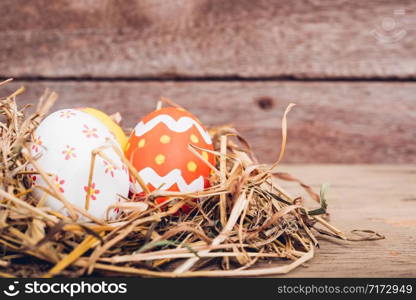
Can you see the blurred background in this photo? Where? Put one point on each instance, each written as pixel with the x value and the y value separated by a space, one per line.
pixel 349 65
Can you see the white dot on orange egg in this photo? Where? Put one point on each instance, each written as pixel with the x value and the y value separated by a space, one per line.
pixel 141 143
pixel 191 166
pixel 205 155
pixel 194 139
pixel 164 139
pixel 160 159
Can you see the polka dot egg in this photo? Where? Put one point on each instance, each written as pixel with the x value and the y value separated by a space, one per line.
pixel 158 149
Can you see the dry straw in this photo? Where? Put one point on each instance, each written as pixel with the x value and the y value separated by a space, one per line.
pixel 242 219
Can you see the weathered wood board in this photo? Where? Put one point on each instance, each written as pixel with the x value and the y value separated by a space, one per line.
pixel 237 55
pixel 380 198
pixel 208 38
pixel 333 122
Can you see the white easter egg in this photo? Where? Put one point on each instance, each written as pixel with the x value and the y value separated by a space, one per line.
pixel 63 145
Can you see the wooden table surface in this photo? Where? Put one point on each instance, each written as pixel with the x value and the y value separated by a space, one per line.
pixel 376 197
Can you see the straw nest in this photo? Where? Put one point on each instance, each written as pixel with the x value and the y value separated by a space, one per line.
pixel 243 218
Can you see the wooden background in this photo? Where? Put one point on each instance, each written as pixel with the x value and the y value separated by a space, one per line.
pixel 350 65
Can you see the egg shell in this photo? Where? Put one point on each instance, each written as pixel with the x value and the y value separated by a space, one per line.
pixel 112 126
pixel 158 149
pixel 62 144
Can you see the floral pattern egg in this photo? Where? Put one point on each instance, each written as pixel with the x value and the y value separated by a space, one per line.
pixel 158 149
pixel 105 119
pixel 62 145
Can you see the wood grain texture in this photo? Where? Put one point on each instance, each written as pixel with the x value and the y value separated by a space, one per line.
pixel 208 38
pixel 333 122
pixel 380 198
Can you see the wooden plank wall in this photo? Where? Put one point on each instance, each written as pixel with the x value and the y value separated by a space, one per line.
pixel 350 65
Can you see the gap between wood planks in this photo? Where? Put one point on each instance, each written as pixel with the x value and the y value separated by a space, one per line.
pixel 212 79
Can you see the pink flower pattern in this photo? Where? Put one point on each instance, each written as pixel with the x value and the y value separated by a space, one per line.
pixel 90 132
pixel 67 114
pixel 37 142
pixel 109 168
pixel 69 152
pixel 92 190
pixel 58 183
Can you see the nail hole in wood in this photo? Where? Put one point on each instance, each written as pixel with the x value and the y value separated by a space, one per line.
pixel 265 103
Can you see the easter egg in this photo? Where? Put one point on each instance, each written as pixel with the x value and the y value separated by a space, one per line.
pixel 62 145
pixel 112 126
pixel 158 149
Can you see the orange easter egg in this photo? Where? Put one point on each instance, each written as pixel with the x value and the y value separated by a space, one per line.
pixel 158 149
